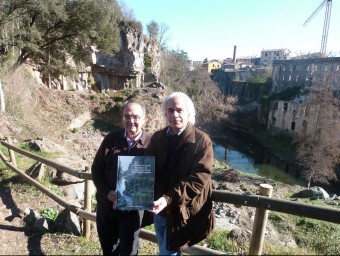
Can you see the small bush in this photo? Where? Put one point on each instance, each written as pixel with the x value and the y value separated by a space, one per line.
pixel 49 213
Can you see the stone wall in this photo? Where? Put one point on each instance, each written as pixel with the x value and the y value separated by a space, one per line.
pixel 296 117
pixel 234 83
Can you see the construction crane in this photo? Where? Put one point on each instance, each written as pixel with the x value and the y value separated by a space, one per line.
pixel 328 4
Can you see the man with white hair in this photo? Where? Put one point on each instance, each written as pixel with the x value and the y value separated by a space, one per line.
pixel 184 158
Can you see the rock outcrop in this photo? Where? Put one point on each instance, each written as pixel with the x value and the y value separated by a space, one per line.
pixel 126 69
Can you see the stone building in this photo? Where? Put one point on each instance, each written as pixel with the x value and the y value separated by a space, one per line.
pixel 212 65
pixel 297 117
pixel 305 72
pixel 268 56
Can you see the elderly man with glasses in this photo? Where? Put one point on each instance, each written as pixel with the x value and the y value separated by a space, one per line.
pixel 118 231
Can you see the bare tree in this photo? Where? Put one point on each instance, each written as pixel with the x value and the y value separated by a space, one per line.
pixel 152 29
pixel 319 147
pixel 127 12
pixel 163 37
pixel 210 104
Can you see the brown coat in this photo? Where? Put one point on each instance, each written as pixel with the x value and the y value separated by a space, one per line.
pixel 185 181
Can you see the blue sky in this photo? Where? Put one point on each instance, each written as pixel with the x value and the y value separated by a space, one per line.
pixel 211 28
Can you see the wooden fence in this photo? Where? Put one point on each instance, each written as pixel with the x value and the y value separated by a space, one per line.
pixel 262 203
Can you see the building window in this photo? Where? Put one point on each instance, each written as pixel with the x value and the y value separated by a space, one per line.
pixel 276 106
pixel 337 67
pixel 290 78
pixel 285 107
pixel 307 68
pixel 325 67
pixel 292 127
pixel 273 121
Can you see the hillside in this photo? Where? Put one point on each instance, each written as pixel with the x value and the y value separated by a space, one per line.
pixel 75 122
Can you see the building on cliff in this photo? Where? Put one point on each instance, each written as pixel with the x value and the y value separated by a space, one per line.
pixel 297 117
pixel 305 72
pixel 268 56
pixel 212 65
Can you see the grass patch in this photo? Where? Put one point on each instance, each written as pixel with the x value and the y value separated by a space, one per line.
pixel 65 244
pixel 270 249
pixel 219 241
pixel 147 248
pixel 318 236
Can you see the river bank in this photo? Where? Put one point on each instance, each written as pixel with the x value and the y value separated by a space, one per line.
pixel 245 153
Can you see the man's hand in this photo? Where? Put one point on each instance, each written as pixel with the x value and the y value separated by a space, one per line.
pixel 159 205
pixel 112 197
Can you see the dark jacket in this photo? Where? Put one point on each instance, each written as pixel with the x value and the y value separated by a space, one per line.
pixel 184 179
pixel 104 167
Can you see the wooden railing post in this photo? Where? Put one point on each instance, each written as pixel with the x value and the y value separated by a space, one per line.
pixel 87 205
pixel 260 222
pixel 11 153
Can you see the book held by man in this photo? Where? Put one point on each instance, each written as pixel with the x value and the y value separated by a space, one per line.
pixel 135 182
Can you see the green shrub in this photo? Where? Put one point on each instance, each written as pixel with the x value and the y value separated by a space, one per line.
pixel 49 213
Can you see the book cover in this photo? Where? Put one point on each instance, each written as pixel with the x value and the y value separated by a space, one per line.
pixel 135 182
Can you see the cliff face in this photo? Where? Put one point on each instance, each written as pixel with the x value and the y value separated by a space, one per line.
pixel 126 68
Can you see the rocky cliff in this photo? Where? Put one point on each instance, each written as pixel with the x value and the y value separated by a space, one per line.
pixel 126 69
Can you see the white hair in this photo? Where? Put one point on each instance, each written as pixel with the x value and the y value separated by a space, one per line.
pixel 188 104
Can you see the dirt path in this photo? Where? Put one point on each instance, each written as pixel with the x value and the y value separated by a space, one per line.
pixel 16 238
pixel 13 240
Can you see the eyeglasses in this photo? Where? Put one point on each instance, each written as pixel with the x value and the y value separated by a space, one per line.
pixel 133 117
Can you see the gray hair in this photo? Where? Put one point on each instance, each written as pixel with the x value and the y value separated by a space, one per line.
pixel 188 104
pixel 134 102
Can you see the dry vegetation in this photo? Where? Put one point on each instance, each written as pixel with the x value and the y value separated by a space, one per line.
pixel 34 111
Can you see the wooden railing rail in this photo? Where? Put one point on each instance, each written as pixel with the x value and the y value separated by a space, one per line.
pixel 86 215
pixel 263 203
pixel 71 207
pixel 279 205
pixel 58 166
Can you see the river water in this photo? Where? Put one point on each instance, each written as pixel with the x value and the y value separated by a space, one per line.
pixel 244 161
pixel 243 153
